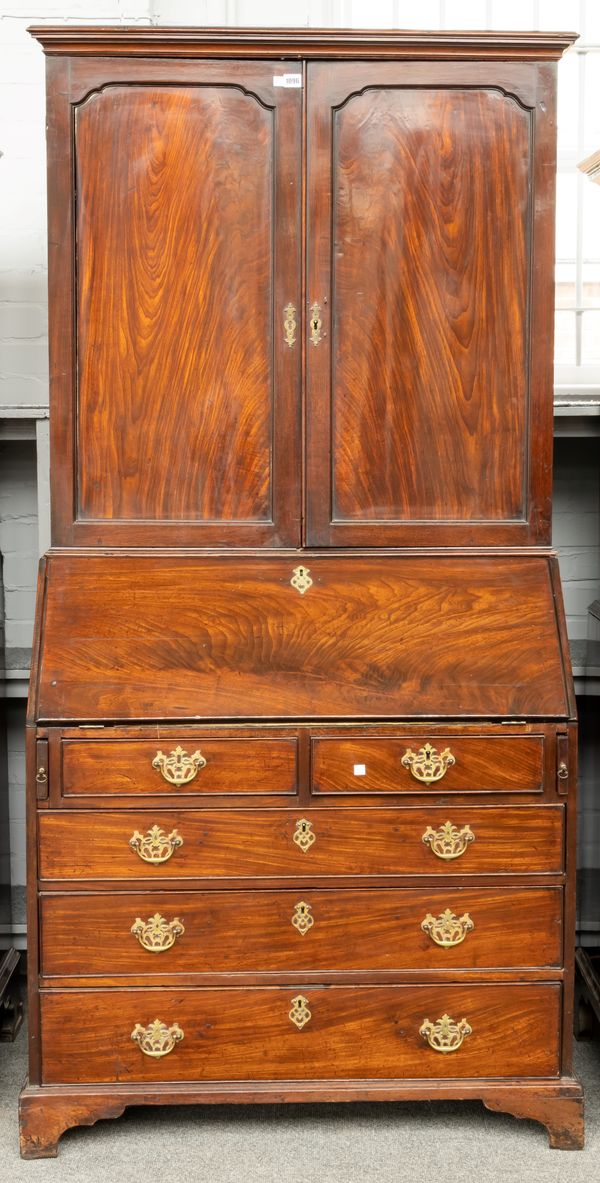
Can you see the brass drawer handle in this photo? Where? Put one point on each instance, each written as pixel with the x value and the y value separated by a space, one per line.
pixel 447 929
pixel 289 324
pixel 448 842
pixel 302 918
pixel 178 768
pixel 428 765
pixel 445 1035
pixel 41 776
pixel 157 934
pixel 157 1039
pixel 155 846
pixel 303 835
pixel 300 1014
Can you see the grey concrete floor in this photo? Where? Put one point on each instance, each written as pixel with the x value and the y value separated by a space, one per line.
pixel 445 1142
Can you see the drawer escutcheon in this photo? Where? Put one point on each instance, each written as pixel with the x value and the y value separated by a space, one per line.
pixel 302 918
pixel 157 1040
pixel 155 846
pixel 178 768
pixel 304 835
pixel 448 841
pixel 428 765
pixel 445 1035
pixel 447 929
pixel 157 934
pixel 300 1014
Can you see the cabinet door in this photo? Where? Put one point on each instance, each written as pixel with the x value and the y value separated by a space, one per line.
pixel 184 364
pixel 430 214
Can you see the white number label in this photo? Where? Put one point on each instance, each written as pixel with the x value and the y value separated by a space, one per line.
pixel 287 80
pixel 360 770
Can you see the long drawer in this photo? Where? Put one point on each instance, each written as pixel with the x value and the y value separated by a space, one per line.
pixel 438 762
pixel 273 843
pixel 300 1033
pixel 306 930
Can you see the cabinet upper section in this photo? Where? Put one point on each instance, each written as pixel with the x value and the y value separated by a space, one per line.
pixel 234 364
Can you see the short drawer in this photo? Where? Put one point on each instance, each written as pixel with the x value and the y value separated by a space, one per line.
pixel 234 932
pixel 417 763
pixel 274 843
pixel 129 767
pixel 300 1032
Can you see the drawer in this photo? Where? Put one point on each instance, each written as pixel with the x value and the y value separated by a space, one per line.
pixel 361 1032
pixel 274 843
pixel 418 763
pixel 128 767
pixel 312 930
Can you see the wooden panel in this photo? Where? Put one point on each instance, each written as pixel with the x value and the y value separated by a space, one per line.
pixel 358 1032
pixel 380 637
pixel 350 842
pixel 252 932
pixel 422 409
pixel 124 767
pixel 490 763
pixel 181 424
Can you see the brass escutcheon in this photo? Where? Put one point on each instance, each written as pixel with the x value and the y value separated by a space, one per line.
pixel 300 1014
pixel 316 324
pixel 178 768
pixel 157 934
pixel 302 918
pixel 447 929
pixel 303 834
pixel 448 842
pixel 301 579
pixel 428 765
pixel 289 324
pixel 445 1035
pixel 157 1039
pixel 155 846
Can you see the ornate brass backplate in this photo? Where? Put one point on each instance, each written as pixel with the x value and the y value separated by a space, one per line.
pixel 300 1014
pixel 179 768
pixel 316 324
pixel 301 579
pixel 155 846
pixel 302 918
pixel 303 834
pixel 428 765
pixel 445 1035
pixel 447 841
pixel 447 929
pixel 157 1039
pixel 157 934
pixel 289 324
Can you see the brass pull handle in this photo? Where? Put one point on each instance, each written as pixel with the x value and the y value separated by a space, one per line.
pixel 303 834
pixel 563 771
pixel 428 765
pixel 157 934
pixel 448 842
pixel 445 1035
pixel 155 846
pixel 289 324
pixel 316 324
pixel 41 776
pixel 300 1014
pixel 157 1039
pixel 179 768
pixel 447 929
pixel 302 918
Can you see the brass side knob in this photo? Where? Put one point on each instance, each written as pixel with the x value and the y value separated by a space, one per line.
pixel 445 1035
pixel 447 929
pixel 178 768
pixel 428 765
pixel 155 846
pixel 156 1040
pixel 157 934
pixel 448 842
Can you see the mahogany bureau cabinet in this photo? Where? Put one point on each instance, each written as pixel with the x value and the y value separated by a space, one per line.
pixel 301 726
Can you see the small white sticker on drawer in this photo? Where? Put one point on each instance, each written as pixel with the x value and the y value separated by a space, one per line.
pixel 287 80
pixel 360 770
